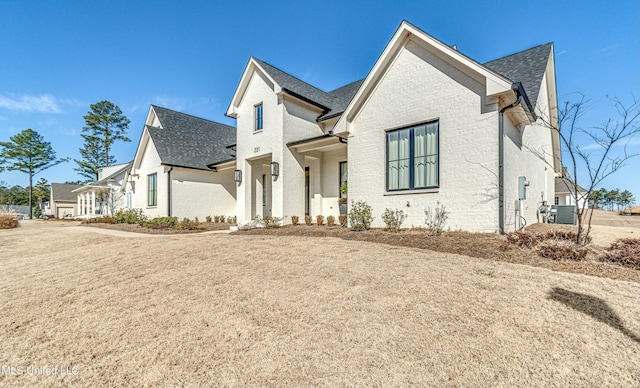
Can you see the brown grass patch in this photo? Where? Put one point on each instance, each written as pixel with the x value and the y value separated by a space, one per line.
pixel 250 310
pixel 203 227
pixel 8 221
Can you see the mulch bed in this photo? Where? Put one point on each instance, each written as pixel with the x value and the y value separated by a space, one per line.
pixel 204 227
pixel 489 246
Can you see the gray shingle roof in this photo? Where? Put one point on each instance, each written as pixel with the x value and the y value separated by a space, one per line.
pixel 189 141
pixel 336 100
pixel 564 185
pixel 526 67
pixel 63 192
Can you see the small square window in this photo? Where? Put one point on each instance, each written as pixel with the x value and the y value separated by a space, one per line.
pixel 257 113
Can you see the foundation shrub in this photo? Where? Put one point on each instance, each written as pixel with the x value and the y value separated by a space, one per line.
pixel 232 220
pixel 208 219
pixel 436 218
pixel 523 239
pixel 331 221
pixel 319 220
pixel 307 220
pixel 130 216
pixel 393 219
pixel 162 223
pixel 360 216
pixel 625 251
pixel 269 222
pixel 188 224
pixel 342 219
pixel 562 250
pixel 294 220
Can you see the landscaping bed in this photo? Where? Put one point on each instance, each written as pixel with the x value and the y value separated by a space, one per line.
pixel 203 227
pixel 488 246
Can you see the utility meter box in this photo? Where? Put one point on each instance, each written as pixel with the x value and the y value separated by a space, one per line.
pixel 522 187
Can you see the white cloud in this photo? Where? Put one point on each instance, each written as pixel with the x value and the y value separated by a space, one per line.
pixel 596 146
pixel 45 103
pixel 177 104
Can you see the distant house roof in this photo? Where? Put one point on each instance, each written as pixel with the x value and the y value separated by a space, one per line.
pixel 63 192
pixel 565 185
pixel 334 102
pixel 526 67
pixel 189 141
pixel 18 209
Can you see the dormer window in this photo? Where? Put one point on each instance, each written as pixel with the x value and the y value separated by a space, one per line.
pixel 257 114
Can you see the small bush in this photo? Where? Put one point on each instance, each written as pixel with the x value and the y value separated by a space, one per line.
pixel 100 220
pixel 523 239
pixel 562 250
pixel 231 220
pixel 331 221
pixel 8 218
pixel 187 224
pixel 294 220
pixel 307 220
pixel 222 218
pixel 208 219
pixel 162 223
pixel 342 219
pixel 129 216
pixel 436 219
pixel 625 251
pixel 393 219
pixel 319 220
pixel 360 216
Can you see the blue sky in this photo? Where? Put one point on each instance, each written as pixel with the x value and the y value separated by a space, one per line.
pixel 58 57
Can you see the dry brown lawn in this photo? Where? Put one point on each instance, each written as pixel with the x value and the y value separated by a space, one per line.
pixel 240 310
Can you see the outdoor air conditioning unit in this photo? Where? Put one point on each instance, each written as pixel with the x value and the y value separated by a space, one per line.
pixel 565 214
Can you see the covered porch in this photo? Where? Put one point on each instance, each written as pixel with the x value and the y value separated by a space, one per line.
pixel 93 200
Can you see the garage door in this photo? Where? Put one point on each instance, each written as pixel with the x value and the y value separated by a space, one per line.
pixel 64 210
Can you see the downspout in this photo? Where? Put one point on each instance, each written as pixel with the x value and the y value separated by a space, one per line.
pixel 340 139
pixel 169 192
pixel 516 89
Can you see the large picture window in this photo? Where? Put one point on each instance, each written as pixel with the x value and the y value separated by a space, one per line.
pixel 257 113
pixel 412 157
pixel 152 190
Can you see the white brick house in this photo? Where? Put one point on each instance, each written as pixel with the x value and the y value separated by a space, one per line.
pixel 427 125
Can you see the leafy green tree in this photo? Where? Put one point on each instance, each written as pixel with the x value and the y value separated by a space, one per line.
pixel 29 153
pixel 93 157
pixel 106 124
pixel 627 199
pixel 42 190
pixel 612 197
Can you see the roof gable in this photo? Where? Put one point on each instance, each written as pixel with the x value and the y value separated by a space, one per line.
pixel 527 67
pixel 188 141
pixel 64 192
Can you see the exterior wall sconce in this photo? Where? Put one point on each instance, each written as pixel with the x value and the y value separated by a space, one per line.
pixel 275 169
pixel 237 176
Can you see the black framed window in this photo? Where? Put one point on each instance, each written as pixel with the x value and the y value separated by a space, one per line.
pixel 152 190
pixel 257 113
pixel 343 178
pixel 413 157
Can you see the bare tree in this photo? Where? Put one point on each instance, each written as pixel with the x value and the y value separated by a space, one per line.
pixel 597 159
pixel 110 198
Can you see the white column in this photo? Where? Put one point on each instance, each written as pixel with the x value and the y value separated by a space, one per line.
pixel 77 208
pixel 93 203
pixel 81 210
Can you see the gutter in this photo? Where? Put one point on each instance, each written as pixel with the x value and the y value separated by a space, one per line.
pixel 169 192
pixel 517 88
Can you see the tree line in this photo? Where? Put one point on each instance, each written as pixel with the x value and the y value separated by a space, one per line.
pixel 612 199
pixel 28 152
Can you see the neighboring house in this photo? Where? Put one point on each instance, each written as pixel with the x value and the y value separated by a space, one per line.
pixel 426 126
pixel 564 193
pixel 169 174
pixel 63 201
pixel 106 195
pixel 21 211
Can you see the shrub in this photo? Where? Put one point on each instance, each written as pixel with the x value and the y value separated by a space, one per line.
pixel 319 220
pixel 222 218
pixel 231 220
pixel 99 220
pixel 436 218
pixel 307 220
pixel 562 235
pixel 294 220
pixel 268 222
pixel 393 219
pixel 562 250
pixel 8 218
pixel 523 239
pixel 208 219
pixel 342 219
pixel 625 251
pixel 360 216
pixel 331 221
pixel 187 224
pixel 129 216
pixel 162 223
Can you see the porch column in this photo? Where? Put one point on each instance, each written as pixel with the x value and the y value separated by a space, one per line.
pixel 93 202
pixel 78 208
